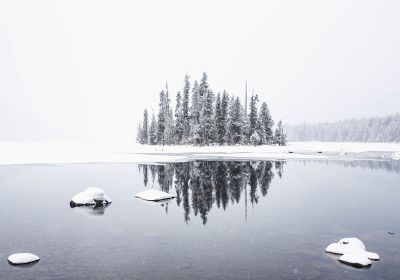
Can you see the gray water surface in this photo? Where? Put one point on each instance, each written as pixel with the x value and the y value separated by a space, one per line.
pixel 230 220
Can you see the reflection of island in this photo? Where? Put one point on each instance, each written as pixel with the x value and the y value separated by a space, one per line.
pixel 200 184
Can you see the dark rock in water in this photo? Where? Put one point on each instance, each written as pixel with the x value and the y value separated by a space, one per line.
pixel 391 233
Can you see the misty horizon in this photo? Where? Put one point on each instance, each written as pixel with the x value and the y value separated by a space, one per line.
pixel 85 71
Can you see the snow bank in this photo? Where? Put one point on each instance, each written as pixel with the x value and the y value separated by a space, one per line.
pixel 353 252
pixel 154 195
pixel 90 196
pixel 23 258
pixel 123 152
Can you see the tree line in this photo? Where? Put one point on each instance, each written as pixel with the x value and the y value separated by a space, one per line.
pixel 376 129
pixel 202 118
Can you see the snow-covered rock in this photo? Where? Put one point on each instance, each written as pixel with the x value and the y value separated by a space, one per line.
pixel 154 195
pixel 353 252
pixel 90 196
pixel 23 258
pixel 355 260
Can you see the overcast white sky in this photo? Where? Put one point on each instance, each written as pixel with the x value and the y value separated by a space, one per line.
pixel 85 70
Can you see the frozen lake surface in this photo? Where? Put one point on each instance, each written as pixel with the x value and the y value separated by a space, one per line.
pixel 229 220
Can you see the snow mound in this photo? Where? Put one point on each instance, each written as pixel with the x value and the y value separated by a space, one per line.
pixel 353 252
pixel 355 260
pixel 154 195
pixel 90 196
pixel 23 258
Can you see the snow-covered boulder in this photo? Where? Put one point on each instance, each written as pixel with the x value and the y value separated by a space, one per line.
pixel 154 195
pixel 355 260
pixel 353 252
pixel 90 196
pixel 23 258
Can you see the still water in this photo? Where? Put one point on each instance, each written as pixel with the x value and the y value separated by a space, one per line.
pixel 230 220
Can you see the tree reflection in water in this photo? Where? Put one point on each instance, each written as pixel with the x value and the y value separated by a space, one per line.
pixel 201 184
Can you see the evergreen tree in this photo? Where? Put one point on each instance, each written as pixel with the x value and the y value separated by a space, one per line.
pixel 185 108
pixel 265 124
pixel 236 121
pixel 153 131
pixel 169 121
pixel 280 137
pixel 253 114
pixel 145 133
pixel 255 139
pixel 195 137
pixel 139 136
pixel 207 119
pixel 161 119
pixel 219 122
pixel 178 120
pixel 223 124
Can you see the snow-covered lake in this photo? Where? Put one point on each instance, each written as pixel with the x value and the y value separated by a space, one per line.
pixel 229 220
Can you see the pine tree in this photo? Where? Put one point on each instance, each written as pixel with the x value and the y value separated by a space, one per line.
pixel 179 128
pixel 206 119
pixel 280 137
pixel 219 122
pixel 253 114
pixel 255 138
pixel 265 124
pixel 195 137
pixel 145 134
pixel 139 136
pixel 236 121
pixel 185 109
pixel 161 120
pixel 223 124
pixel 153 131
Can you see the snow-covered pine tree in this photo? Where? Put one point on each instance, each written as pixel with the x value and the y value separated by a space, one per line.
pixel 261 131
pixel 195 132
pixel 255 139
pixel 246 129
pixel 236 121
pixel 280 137
pixel 153 131
pixel 139 136
pixel 185 109
pixel 265 124
pixel 178 120
pixel 253 115
pixel 219 123
pixel 224 117
pixel 162 113
pixel 207 118
pixel 145 132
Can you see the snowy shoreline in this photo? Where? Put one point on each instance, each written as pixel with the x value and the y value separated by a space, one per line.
pixel 123 152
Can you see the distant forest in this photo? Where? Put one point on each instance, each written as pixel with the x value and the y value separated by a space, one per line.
pixel 204 118
pixel 377 129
